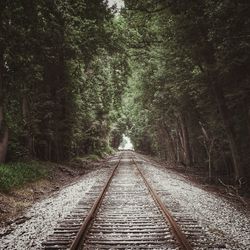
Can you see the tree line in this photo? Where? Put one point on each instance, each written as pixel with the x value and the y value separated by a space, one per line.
pixel 63 69
pixel 189 89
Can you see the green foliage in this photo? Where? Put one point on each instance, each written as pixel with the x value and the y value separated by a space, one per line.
pixel 174 75
pixel 93 157
pixel 64 71
pixel 14 175
pixel 189 80
pixel 79 161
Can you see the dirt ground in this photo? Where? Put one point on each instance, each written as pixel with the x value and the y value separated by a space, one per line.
pixel 14 204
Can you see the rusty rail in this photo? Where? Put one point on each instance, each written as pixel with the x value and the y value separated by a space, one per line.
pixel 92 212
pixel 180 236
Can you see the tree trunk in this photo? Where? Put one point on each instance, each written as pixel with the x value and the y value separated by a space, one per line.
pixel 27 122
pixel 181 147
pixel 3 128
pixel 3 137
pixel 170 144
pixel 177 148
pixel 210 162
pixel 221 102
pixel 185 138
pixel 245 140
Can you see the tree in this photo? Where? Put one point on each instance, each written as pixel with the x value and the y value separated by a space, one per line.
pixel 58 92
pixel 191 64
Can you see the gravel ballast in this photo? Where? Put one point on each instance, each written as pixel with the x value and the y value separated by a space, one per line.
pixel 38 222
pixel 220 219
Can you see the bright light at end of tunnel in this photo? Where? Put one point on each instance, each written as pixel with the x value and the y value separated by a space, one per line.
pixel 126 143
pixel 119 3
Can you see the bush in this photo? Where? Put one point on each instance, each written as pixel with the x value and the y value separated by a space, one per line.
pixel 92 157
pixel 18 173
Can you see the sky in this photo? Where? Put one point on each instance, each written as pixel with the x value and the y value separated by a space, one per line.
pixel 126 143
pixel 118 2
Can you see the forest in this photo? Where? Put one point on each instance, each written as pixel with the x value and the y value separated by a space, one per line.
pixel 75 75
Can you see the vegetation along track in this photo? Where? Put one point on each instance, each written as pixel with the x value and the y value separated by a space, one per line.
pixel 123 213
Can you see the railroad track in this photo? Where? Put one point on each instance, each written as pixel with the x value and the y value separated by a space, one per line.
pixel 125 212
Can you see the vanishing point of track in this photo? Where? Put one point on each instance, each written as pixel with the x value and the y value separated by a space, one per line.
pixel 123 213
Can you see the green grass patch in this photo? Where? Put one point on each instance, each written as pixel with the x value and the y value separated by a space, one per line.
pixel 79 160
pixel 105 151
pixel 18 173
pixel 92 157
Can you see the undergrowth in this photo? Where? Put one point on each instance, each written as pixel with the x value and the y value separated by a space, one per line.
pixel 92 157
pixel 18 173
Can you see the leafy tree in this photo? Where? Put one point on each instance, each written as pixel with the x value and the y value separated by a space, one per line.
pixel 63 70
pixel 190 75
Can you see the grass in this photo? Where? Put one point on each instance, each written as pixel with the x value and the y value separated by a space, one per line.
pixel 105 151
pixel 19 173
pixel 79 160
pixel 92 157
pixel 97 155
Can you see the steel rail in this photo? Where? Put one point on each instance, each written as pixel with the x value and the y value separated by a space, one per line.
pixel 180 236
pixel 92 212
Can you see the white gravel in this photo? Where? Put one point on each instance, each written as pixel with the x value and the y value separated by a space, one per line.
pixel 43 216
pixel 219 218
